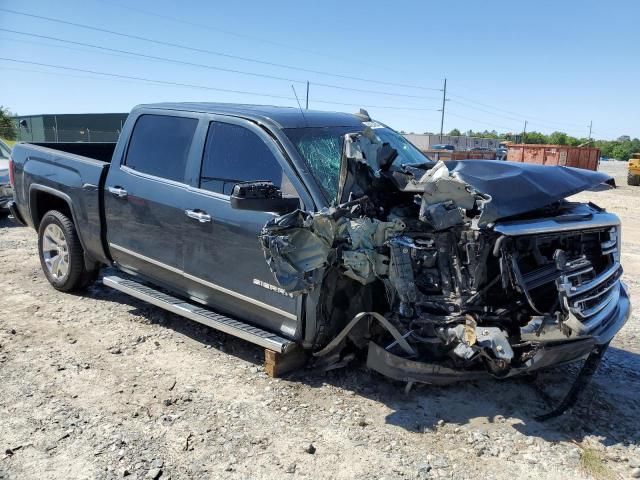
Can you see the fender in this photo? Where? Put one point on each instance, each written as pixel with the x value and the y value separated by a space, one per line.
pixel 34 188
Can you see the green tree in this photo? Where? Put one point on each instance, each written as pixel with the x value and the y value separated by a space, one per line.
pixel 606 148
pixel 558 138
pixel 454 133
pixel 7 127
pixel 574 142
pixel 536 138
pixel 622 151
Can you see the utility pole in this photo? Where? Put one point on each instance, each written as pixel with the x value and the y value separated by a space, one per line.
pixel 590 127
pixel 307 103
pixel 55 120
pixel 524 132
pixel 444 99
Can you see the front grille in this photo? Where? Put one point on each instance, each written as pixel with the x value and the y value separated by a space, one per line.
pixel 590 294
pixel 582 266
pixel 590 304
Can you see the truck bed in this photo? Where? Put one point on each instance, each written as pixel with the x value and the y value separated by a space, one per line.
pixel 102 151
pixel 72 172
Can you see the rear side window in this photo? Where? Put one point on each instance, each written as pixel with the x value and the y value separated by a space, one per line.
pixel 234 154
pixel 160 145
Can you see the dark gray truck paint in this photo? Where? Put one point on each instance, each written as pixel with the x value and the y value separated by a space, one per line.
pixel 187 239
pixel 147 232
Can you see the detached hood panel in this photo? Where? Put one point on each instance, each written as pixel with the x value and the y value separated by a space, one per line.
pixel 517 188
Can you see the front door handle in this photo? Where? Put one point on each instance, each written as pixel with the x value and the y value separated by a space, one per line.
pixel 118 192
pixel 199 215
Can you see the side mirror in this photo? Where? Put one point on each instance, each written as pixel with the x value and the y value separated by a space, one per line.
pixel 261 197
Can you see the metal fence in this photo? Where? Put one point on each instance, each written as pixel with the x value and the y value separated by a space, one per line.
pixel 74 135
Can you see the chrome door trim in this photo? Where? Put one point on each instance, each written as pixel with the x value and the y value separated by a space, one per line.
pixel 200 216
pixel 232 293
pixel 146 259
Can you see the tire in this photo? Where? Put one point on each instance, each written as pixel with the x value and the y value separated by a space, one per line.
pixel 633 179
pixel 61 254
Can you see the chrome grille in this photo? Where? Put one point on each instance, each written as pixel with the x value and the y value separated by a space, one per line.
pixel 588 283
pixel 588 298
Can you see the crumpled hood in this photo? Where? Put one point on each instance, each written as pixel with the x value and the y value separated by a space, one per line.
pixel 517 188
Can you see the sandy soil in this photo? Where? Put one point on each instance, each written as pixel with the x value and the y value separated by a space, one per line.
pixel 102 386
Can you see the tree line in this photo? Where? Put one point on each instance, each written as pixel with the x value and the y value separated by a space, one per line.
pixel 7 128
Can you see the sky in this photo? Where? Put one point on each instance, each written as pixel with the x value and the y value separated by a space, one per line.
pixel 556 64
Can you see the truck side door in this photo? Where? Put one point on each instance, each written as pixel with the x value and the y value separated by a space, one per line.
pixel 223 257
pixel 145 198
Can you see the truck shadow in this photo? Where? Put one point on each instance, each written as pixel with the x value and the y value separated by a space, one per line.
pixel 208 337
pixel 7 222
pixel 607 408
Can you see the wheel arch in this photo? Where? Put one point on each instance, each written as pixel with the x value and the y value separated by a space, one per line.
pixel 43 199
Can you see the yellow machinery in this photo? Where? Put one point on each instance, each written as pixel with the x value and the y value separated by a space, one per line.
pixel 633 177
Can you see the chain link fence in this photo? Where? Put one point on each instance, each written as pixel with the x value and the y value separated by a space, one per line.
pixel 67 135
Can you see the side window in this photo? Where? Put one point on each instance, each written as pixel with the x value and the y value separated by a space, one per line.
pixel 233 154
pixel 160 144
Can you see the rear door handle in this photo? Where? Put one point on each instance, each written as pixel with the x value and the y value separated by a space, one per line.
pixel 199 215
pixel 118 192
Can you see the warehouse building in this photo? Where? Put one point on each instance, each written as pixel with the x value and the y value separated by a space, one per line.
pixel 70 127
pixel 426 142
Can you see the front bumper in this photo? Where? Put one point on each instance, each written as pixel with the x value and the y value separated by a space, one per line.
pixel 550 354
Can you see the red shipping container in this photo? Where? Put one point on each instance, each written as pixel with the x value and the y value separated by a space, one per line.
pixel 579 157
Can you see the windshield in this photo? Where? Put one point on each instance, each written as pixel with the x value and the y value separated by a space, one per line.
pixel 321 149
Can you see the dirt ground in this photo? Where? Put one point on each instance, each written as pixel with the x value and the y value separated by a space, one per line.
pixel 103 386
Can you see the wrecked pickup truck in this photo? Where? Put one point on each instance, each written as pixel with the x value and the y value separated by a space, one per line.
pixel 439 272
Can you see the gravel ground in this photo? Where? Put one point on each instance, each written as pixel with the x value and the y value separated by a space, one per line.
pixel 102 386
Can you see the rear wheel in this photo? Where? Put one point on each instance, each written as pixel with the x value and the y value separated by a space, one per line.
pixel 633 179
pixel 61 254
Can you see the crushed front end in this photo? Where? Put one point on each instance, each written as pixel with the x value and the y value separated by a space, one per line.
pixel 440 281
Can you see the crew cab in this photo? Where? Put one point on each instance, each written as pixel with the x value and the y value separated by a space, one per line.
pixel 331 233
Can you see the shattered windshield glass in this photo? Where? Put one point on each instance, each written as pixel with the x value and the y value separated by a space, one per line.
pixel 321 148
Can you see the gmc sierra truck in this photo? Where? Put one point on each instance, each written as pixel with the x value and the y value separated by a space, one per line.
pixel 331 233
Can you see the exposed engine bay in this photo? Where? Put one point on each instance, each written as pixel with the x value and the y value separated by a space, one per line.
pixel 442 272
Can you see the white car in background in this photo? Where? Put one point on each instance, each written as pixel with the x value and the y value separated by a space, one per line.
pixel 6 192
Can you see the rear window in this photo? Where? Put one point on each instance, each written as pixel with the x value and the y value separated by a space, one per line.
pixel 160 144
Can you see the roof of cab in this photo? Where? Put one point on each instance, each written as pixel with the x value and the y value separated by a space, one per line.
pixel 283 117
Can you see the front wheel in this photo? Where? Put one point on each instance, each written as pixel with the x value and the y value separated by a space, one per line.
pixel 61 254
pixel 633 179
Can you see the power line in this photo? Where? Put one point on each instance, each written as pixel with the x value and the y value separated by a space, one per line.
pixel 63 74
pixel 481 122
pixel 204 87
pixel 507 117
pixel 254 60
pixel 521 116
pixel 211 67
pixel 235 34
pixel 142 79
pixel 485 111
pixel 213 52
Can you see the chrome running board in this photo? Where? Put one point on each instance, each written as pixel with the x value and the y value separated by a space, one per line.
pixel 198 314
